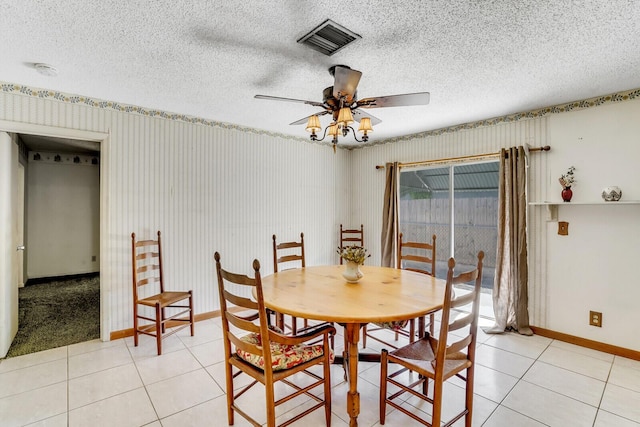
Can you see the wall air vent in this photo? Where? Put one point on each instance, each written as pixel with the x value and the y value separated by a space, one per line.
pixel 328 38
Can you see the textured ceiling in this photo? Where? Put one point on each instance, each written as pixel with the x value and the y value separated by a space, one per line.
pixel 478 59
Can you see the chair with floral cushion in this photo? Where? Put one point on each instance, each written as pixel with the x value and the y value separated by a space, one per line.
pixel 438 359
pixel 413 256
pixel 266 355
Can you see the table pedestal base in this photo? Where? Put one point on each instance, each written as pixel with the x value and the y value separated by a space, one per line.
pixel 362 357
pixel 352 337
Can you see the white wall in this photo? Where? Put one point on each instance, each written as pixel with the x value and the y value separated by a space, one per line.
pixel 63 217
pixel 593 268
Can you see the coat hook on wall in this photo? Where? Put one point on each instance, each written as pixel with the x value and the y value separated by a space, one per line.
pixel 76 159
pixel 57 158
pixel 36 156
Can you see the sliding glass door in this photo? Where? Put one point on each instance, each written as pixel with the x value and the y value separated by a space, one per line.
pixel 459 204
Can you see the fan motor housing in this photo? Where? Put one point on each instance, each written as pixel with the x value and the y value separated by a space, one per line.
pixel 334 103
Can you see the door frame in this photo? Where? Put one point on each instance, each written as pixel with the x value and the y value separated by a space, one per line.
pixel 103 139
pixel 20 216
pixel 8 253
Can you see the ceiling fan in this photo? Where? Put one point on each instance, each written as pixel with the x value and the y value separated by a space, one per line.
pixel 341 101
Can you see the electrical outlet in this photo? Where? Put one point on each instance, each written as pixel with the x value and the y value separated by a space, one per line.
pixel 595 319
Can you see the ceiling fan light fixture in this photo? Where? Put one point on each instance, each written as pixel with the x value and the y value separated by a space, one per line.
pixel 333 130
pixel 313 124
pixel 345 118
pixel 340 101
pixel 365 125
pixel 365 128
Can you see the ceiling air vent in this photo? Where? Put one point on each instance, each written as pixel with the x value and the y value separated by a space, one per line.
pixel 328 38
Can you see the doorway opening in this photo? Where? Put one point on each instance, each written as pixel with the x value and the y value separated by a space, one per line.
pixel 61 261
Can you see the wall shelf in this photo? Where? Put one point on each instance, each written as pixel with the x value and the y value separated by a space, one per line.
pixel 552 207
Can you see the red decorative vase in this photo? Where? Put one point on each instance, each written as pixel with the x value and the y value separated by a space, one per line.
pixel 567 194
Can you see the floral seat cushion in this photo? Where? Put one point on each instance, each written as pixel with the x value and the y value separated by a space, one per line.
pixel 396 325
pixel 282 356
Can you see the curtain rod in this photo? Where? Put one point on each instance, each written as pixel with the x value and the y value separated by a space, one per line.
pixel 475 156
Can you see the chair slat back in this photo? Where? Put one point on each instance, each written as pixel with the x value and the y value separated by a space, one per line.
pixel 231 288
pixel 239 300
pixel 146 256
pixel 463 319
pixel 417 256
pixel 351 237
pixel 147 281
pixel 286 252
pixel 146 268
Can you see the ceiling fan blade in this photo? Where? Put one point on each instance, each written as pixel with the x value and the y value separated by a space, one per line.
pixel 346 82
pixel 278 98
pixel 304 120
pixel 420 98
pixel 358 114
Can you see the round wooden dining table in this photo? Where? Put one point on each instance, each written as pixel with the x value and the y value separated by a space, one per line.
pixel 383 294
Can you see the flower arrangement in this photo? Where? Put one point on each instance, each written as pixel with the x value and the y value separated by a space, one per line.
pixel 567 179
pixel 356 254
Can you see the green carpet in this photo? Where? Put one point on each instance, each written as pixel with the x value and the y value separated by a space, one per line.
pixel 57 313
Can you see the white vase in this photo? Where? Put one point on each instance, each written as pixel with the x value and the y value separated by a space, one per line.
pixel 352 272
pixel 612 194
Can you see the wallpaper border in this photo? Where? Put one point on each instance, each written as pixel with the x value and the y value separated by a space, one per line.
pixel 533 114
pixel 119 107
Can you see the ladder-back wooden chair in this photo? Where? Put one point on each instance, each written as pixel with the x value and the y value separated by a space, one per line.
pixel 150 295
pixel 266 355
pixel 351 237
pixel 439 359
pixel 419 257
pixel 288 255
pixel 291 255
pixel 414 256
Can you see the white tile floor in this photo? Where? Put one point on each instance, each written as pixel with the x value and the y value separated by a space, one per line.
pixel 520 381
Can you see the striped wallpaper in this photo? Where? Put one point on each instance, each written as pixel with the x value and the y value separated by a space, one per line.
pixel 210 187
pixel 206 188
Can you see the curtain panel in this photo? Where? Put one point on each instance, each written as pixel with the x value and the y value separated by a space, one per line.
pixel 510 288
pixel 390 216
